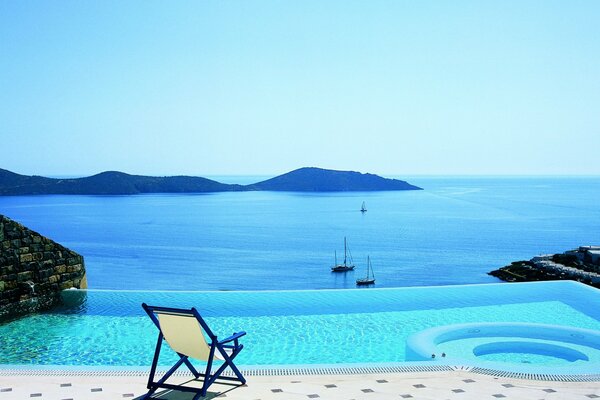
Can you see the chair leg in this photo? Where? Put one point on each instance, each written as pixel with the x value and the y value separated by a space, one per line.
pixel 207 379
pixel 237 373
pixel 229 363
pixel 150 385
pixel 191 367
pixel 155 359
pixel 154 386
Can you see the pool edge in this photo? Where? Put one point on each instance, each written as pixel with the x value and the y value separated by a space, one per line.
pixel 303 370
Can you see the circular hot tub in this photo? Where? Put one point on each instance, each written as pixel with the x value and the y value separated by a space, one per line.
pixel 510 350
pixel 553 348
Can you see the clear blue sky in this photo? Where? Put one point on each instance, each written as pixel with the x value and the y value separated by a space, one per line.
pixel 263 87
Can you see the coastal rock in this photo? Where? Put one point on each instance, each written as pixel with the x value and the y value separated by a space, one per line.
pixel 30 279
pixel 581 264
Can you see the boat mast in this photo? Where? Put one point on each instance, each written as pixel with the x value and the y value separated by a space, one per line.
pixel 344 250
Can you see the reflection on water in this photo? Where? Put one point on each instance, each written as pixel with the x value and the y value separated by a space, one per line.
pixel 72 302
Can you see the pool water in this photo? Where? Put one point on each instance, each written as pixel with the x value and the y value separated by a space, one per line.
pixel 523 358
pixel 548 347
pixel 518 350
pixel 109 328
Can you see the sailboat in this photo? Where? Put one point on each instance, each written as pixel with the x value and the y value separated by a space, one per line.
pixel 345 266
pixel 363 208
pixel 370 279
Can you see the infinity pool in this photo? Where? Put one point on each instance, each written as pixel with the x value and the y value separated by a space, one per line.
pixel 109 328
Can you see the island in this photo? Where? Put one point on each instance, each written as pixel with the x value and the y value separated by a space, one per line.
pixel 581 264
pixel 308 179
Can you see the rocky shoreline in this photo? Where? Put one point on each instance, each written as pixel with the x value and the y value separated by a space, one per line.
pixel 581 264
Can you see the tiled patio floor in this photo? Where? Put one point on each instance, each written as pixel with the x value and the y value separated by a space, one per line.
pixel 452 385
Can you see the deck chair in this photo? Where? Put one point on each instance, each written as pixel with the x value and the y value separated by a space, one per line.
pixel 184 331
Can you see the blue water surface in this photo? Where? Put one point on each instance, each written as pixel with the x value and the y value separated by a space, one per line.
pixel 453 232
pixel 109 328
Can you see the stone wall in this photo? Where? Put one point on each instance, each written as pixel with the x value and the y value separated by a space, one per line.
pixel 34 270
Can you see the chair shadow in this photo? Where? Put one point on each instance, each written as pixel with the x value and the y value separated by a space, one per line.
pixel 180 395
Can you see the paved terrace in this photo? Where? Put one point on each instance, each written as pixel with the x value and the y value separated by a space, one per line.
pixel 455 384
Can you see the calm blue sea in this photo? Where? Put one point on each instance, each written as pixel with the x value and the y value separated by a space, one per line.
pixel 453 232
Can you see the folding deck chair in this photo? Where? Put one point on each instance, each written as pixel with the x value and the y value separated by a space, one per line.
pixel 183 330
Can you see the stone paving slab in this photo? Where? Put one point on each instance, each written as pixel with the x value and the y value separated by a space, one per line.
pixel 459 385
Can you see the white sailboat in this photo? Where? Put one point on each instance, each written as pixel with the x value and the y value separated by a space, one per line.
pixel 363 208
pixel 370 278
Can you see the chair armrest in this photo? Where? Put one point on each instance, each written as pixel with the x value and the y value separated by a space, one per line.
pixel 233 337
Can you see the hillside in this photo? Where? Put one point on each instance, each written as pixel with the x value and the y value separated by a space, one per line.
pixel 119 183
pixel 323 180
pixel 110 182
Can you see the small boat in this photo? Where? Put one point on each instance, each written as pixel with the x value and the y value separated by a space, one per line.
pixel 370 279
pixel 346 266
pixel 363 208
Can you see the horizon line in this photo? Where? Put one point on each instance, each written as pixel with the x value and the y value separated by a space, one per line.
pixel 274 174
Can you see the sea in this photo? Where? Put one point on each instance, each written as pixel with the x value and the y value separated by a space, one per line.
pixel 453 232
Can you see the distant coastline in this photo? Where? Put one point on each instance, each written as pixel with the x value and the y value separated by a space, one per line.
pixel 581 264
pixel 307 179
pixel 454 232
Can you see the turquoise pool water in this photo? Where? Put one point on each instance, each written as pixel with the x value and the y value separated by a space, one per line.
pixel 551 348
pixel 109 328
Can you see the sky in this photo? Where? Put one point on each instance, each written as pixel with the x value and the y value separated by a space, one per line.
pixel 264 87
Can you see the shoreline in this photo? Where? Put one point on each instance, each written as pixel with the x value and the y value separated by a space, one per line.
pixel 581 265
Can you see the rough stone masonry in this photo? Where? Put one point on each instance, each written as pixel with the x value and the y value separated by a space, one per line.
pixel 34 270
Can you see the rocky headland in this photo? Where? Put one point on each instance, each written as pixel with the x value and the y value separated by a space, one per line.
pixel 581 264
pixel 324 180
pixel 118 183
pixel 34 270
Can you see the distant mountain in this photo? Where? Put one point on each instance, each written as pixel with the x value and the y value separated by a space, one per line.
pixel 325 180
pixel 119 183
pixel 10 181
pixel 110 182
